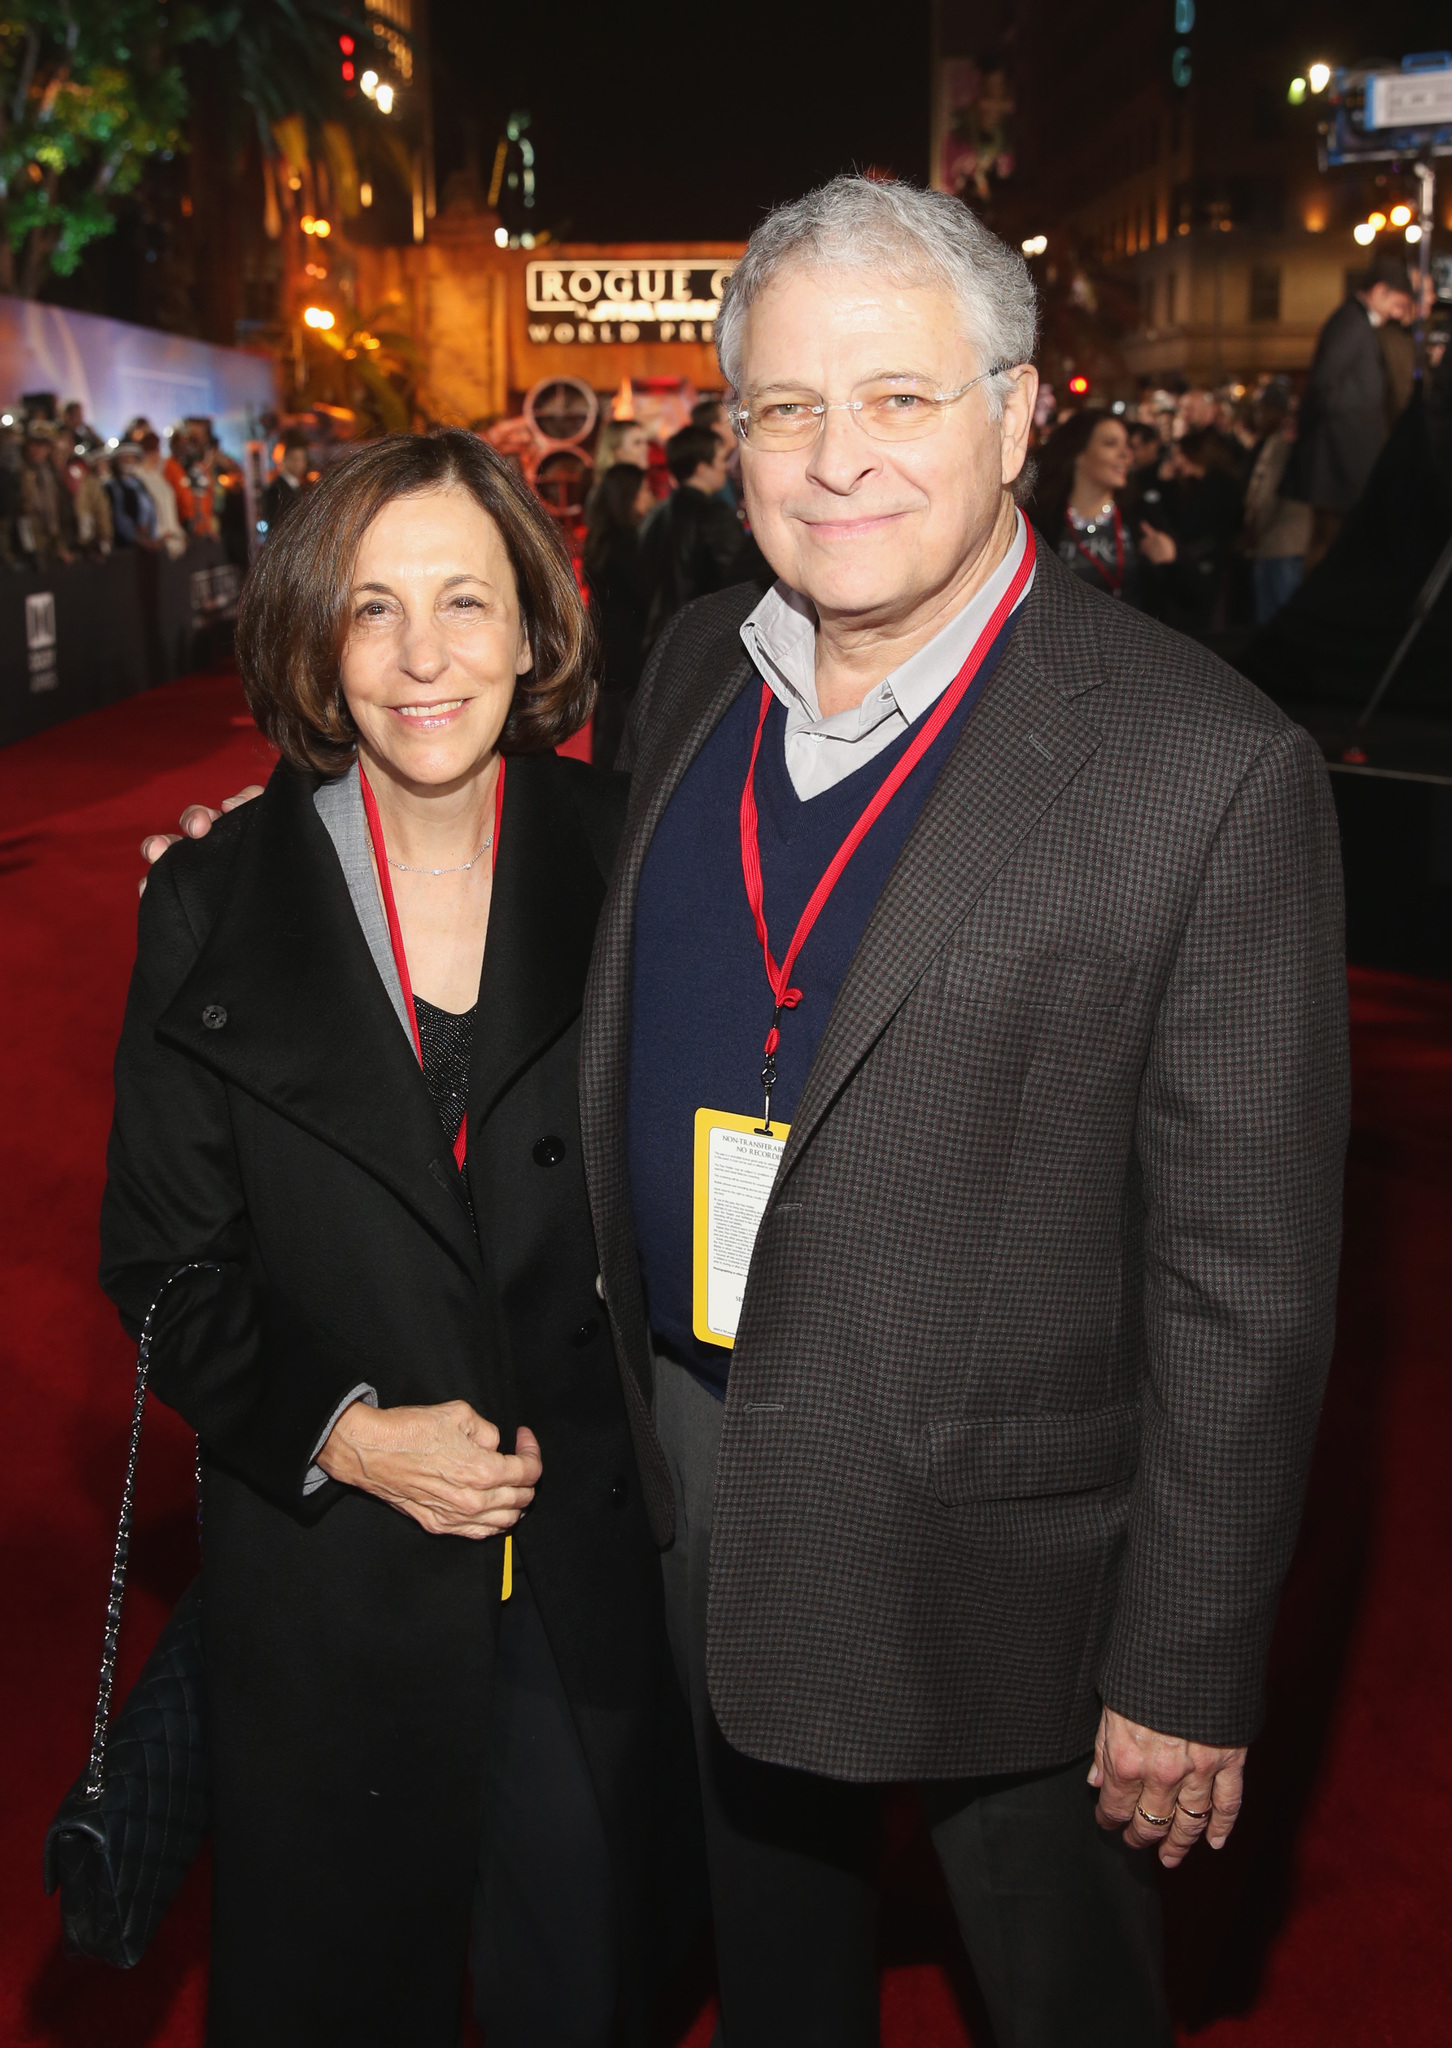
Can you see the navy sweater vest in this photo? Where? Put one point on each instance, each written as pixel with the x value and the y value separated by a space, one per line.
pixel 701 1004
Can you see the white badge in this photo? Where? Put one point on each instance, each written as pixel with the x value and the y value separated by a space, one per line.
pixel 736 1168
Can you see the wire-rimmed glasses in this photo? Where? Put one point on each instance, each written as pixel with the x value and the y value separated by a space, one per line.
pixel 886 409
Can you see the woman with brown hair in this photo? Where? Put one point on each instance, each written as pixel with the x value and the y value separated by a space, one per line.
pixel 1077 507
pixel 618 597
pixel 346 1146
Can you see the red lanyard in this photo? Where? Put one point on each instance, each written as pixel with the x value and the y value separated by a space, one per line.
pixel 1115 582
pixel 783 995
pixel 395 929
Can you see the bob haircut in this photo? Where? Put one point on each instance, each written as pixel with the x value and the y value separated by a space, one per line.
pixel 292 623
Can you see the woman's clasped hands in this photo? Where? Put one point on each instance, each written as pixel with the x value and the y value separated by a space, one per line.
pixel 440 1464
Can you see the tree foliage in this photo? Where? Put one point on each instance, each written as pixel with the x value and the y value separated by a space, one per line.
pixel 87 93
pixel 90 90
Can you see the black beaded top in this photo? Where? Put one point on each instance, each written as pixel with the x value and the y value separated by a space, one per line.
pixel 447 1040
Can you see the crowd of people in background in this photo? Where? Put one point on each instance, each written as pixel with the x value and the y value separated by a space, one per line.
pixel 69 493
pixel 1208 507
pixel 1204 507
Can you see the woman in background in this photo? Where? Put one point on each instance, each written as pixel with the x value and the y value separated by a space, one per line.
pixel 620 441
pixel 1077 508
pixel 618 597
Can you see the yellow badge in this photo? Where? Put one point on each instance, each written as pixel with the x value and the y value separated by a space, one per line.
pixel 737 1158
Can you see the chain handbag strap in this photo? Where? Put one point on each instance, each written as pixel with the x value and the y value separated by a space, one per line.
pixel 95 1769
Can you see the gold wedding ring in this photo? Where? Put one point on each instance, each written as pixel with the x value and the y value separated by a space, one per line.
pixel 1190 1813
pixel 1154 1820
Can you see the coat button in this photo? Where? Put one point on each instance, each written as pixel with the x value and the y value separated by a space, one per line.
pixel 214 1016
pixel 548 1151
pixel 619 1494
pixel 588 1331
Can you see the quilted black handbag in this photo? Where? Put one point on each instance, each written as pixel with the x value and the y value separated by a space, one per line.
pixel 129 1828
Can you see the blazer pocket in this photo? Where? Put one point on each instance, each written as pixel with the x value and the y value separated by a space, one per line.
pixel 1022 1457
pixel 1040 980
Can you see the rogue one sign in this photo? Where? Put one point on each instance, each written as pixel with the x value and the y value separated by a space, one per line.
pixel 657 301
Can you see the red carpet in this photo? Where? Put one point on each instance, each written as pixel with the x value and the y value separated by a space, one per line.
pixel 1325 1922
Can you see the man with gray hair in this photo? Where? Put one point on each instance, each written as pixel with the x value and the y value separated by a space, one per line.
pixel 964 1096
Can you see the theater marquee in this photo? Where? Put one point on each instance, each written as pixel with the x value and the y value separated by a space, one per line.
pixel 659 300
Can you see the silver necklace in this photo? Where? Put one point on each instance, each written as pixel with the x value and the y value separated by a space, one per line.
pixel 404 868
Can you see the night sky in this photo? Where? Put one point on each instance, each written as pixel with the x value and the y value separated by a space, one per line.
pixel 654 121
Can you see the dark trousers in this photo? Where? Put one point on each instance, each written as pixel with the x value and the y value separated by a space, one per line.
pixel 1060 1920
pixel 544 1950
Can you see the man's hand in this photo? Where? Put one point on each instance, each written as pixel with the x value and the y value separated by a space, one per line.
pixel 1155 546
pixel 1164 1792
pixel 197 821
pixel 441 1464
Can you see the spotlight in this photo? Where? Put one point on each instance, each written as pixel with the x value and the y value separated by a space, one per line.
pixel 1319 77
pixel 383 99
pixel 308 225
pixel 1414 233
pixel 319 317
pixel 1297 91
pixel 368 84
pixel 1035 245
pixel 1377 221
pixel 322 228
pixel 1400 215
pixel 1363 233
pixel 501 238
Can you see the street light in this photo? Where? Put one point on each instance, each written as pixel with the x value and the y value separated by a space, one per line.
pixel 1318 77
pixel 319 317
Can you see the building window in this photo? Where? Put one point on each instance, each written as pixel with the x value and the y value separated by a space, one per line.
pixel 1265 291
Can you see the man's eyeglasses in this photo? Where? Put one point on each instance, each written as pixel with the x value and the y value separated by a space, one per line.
pixel 886 409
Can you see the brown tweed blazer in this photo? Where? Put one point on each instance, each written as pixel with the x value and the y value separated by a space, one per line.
pixel 1033 1345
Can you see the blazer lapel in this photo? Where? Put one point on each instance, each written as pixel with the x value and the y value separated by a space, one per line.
pixel 285 1002
pixel 1021 747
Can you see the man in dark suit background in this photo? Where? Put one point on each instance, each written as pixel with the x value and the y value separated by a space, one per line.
pixel 996 1489
pixel 1347 412
pixel 693 542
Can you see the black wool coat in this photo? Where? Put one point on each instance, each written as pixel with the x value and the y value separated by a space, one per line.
pixel 271 1118
pixel 1038 1317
